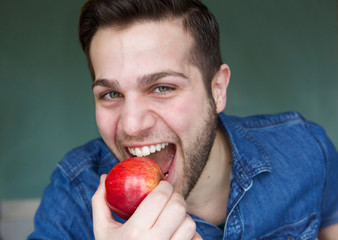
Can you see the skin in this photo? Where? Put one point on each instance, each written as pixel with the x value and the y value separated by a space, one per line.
pixel 121 59
pixel 329 233
pixel 154 120
pixel 170 107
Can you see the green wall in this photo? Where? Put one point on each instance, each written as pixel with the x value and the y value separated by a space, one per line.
pixel 282 54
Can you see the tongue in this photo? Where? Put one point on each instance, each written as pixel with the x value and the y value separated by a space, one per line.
pixel 164 158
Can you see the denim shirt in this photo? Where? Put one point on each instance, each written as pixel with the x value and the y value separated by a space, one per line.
pixel 284 182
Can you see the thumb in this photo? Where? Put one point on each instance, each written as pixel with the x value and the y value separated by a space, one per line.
pixel 102 216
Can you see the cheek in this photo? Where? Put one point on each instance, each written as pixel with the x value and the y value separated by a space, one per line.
pixel 184 116
pixel 106 124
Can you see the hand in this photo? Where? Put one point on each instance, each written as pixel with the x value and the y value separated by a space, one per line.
pixel 161 215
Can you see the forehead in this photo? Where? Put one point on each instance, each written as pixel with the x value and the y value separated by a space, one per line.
pixel 145 46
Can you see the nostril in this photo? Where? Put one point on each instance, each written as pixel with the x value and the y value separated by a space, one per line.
pixel 134 124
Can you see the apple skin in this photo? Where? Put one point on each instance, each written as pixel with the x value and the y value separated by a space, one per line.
pixel 129 182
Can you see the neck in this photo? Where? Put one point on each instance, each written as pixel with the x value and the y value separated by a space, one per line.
pixel 208 200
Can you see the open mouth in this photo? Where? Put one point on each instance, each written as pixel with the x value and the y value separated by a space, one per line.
pixel 163 154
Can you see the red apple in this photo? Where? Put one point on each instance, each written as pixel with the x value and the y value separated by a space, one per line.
pixel 129 182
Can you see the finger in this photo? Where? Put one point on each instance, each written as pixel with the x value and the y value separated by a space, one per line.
pixel 197 236
pixel 187 230
pixel 102 217
pixel 172 216
pixel 152 206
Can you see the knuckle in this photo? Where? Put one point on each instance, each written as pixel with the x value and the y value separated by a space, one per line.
pixel 166 186
pixel 190 224
pixel 179 199
pixel 179 209
pixel 163 192
pixel 179 205
pixel 128 233
pixel 133 234
pixel 162 196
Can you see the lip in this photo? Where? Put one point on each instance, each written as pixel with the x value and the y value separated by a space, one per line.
pixel 167 167
pixel 140 145
pixel 171 173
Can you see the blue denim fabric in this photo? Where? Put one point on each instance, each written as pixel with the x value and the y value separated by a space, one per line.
pixel 283 183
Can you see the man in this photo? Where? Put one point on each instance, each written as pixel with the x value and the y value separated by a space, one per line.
pixel 158 78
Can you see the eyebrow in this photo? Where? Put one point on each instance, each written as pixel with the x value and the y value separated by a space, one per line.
pixel 108 83
pixel 151 78
pixel 143 81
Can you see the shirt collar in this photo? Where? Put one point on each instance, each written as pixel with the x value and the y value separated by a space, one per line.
pixel 248 154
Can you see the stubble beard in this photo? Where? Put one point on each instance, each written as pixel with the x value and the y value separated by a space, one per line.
pixel 198 151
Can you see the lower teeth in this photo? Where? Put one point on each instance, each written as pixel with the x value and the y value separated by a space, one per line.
pixel 166 175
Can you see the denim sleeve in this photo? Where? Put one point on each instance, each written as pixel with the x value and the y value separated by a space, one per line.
pixel 330 194
pixel 62 213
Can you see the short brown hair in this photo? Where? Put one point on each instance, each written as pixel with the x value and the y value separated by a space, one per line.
pixel 195 16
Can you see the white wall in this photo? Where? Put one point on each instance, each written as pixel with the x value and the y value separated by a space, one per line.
pixel 16 219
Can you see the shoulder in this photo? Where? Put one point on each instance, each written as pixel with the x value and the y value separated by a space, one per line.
pixel 291 126
pixel 72 185
pixel 94 154
pixel 269 120
pixel 301 156
pixel 282 123
pixel 280 136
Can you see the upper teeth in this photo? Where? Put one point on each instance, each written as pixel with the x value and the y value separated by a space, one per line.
pixel 147 150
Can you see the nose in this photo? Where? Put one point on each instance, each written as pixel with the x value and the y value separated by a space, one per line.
pixel 136 117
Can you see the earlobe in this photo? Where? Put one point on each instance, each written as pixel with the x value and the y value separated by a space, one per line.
pixel 219 87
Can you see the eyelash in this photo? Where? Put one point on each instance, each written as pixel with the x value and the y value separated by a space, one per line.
pixel 106 95
pixel 167 90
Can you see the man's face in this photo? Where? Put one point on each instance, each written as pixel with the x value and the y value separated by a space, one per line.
pixel 150 100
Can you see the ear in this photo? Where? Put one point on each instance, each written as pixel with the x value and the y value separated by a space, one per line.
pixel 219 86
